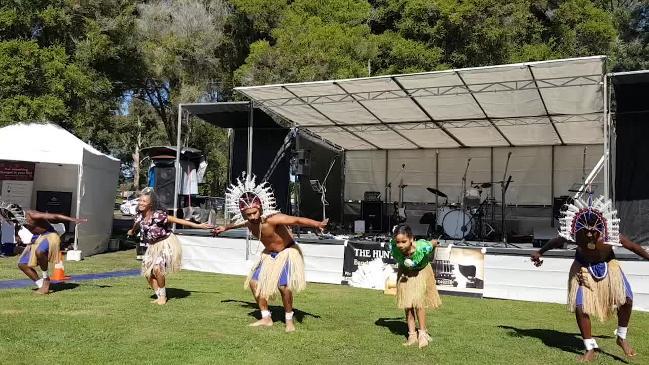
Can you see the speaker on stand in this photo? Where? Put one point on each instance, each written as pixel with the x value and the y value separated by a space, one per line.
pixel 164 185
pixel 372 214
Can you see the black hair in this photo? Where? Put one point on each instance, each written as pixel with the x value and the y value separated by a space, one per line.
pixel 402 229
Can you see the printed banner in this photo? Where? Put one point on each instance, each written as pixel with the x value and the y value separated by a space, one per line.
pixel 17 171
pixel 370 264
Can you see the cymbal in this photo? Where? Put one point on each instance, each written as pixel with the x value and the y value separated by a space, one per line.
pixel 482 185
pixel 437 192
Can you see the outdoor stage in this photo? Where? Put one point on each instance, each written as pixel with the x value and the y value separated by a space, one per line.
pixel 475 270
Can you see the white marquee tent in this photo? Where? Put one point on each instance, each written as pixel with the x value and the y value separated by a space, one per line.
pixel 552 116
pixel 65 163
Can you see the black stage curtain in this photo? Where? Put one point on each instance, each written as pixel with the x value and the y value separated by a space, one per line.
pixel 268 138
pixel 321 156
pixel 632 156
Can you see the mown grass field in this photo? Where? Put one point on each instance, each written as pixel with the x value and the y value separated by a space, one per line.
pixel 205 322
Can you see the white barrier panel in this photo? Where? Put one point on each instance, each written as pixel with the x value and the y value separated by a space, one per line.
pixel 514 277
pixel 323 262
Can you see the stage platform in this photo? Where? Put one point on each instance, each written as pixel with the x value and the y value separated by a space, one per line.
pixel 485 269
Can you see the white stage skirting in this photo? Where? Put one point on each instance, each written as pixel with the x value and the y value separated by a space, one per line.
pixel 323 263
pixel 506 276
pixel 513 277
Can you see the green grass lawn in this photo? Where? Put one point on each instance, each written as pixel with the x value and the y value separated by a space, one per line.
pixel 114 261
pixel 205 322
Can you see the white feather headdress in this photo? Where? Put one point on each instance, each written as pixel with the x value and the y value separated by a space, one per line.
pixel 600 211
pixel 12 213
pixel 246 193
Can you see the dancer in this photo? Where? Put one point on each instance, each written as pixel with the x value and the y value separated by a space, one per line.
pixel 163 254
pixel 416 288
pixel 43 244
pixel 596 284
pixel 281 266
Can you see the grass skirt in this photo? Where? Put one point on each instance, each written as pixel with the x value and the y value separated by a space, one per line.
pixel 600 298
pixel 417 289
pixel 271 271
pixel 167 254
pixel 54 248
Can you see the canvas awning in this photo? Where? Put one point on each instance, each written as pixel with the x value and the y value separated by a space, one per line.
pixel 558 102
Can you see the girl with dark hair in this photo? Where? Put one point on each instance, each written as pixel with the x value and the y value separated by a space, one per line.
pixel 163 254
pixel 416 288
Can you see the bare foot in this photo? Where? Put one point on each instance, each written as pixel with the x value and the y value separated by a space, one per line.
pixel 290 326
pixel 161 301
pixel 588 356
pixel 412 339
pixel 45 289
pixel 626 347
pixel 264 322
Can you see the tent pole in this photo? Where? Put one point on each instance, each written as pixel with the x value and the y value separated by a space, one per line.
pixel 76 227
pixel 607 131
pixel 249 164
pixel 177 163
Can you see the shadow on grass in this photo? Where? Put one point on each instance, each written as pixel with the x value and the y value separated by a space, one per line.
pixel 397 325
pixel 277 312
pixel 568 342
pixel 176 293
pixel 61 286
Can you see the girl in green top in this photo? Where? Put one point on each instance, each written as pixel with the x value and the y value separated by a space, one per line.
pixel 416 289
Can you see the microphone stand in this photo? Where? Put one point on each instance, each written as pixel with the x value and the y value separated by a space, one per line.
pixel 462 195
pixel 504 185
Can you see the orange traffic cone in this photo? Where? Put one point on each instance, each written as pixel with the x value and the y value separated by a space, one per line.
pixel 59 271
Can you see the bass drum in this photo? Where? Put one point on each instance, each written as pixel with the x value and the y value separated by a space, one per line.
pixel 457 224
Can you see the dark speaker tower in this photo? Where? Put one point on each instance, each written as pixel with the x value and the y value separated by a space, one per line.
pixel 164 185
pixel 372 213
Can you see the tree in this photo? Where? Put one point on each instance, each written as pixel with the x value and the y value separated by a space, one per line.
pixel 66 62
pixel 182 43
pixel 312 41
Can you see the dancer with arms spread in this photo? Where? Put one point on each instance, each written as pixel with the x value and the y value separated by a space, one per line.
pixel 280 268
pixel 596 284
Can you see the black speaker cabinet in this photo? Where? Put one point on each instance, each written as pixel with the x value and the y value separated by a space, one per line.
pixel 372 214
pixel 164 185
pixel 58 202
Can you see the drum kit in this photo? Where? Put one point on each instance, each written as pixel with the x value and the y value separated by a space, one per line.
pixel 471 218
pixel 466 219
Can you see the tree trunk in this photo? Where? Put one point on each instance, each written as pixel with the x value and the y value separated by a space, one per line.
pixel 136 156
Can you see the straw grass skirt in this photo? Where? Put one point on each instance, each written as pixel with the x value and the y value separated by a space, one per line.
pixel 166 254
pixel 602 297
pixel 417 289
pixel 272 269
pixel 54 247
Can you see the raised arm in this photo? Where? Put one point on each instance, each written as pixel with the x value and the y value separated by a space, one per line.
pixel 184 222
pixel 289 220
pixel 634 247
pixel 220 229
pixel 53 218
pixel 551 244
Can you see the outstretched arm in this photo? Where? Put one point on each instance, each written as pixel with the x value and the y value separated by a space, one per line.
pixel 220 229
pixel 184 222
pixel 553 243
pixel 53 218
pixel 289 220
pixel 634 247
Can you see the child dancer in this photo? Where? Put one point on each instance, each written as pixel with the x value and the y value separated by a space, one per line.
pixel 416 289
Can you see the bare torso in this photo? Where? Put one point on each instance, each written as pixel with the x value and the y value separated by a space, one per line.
pixel 275 237
pixel 37 226
pixel 601 252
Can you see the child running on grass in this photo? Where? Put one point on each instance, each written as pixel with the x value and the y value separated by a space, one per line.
pixel 416 289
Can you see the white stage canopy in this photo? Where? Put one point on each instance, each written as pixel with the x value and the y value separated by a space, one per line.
pixel 560 102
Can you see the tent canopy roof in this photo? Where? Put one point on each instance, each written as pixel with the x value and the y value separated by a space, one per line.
pixel 43 142
pixel 527 104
